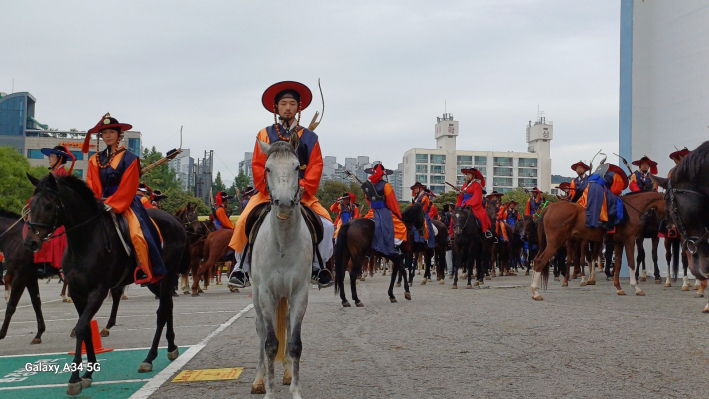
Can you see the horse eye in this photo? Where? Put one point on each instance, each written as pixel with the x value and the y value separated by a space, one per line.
pixel 268 170
pixel 297 167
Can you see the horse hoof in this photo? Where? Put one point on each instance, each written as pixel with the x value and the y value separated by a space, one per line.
pixel 668 285
pixel 346 304
pixel 86 382
pixel 564 284
pixel 397 285
pixel 258 389
pixel 145 367
pixel 582 284
pixel 699 295
pixel 407 296
pixel 621 292
pixel 200 291
pixel 186 292
pixel 526 273
pixel 359 304
pixel 36 341
pixel 706 309
pixel 173 355
pixel 454 287
pixel 74 388
pixel 685 288
pixel 573 276
pixel 442 282
pixel 609 278
pixel 105 332
pixel 72 334
pixel 591 282
pixel 658 281
pixel 423 282
pixel 232 289
pixel 392 300
pixel 696 288
pixel 195 295
pixel 430 281
pixel 468 287
pixel 556 279
pixel 476 283
pixel 640 293
pixel 538 298
pixel 488 278
pixel 450 277
pixel 286 380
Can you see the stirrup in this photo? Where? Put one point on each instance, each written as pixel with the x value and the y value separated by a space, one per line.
pixel 235 281
pixel 488 234
pixel 318 276
pixel 144 281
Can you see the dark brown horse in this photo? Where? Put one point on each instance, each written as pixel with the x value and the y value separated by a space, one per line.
pixel 21 273
pixel 564 220
pixel 354 243
pixel 95 261
pixel 215 248
pixel 650 228
pixel 438 253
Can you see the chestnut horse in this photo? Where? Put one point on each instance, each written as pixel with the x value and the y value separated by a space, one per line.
pixel 216 247
pixel 563 220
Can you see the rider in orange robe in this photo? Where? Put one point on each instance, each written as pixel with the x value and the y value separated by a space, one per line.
pixel 599 195
pixel 580 168
pixel 114 176
pixel 52 251
pixel 221 219
pixel 640 179
pixel 346 209
pixel 286 100
pixel 535 204
pixel 472 195
pixel 383 206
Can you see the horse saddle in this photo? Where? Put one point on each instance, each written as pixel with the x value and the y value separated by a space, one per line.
pixel 121 224
pixel 258 215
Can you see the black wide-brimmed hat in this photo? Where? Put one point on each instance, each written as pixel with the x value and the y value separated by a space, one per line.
pixel 494 194
pixel 370 171
pixel 297 90
pixel 107 122
pixel 418 184
pixel 158 195
pixel 60 151
pixel 143 188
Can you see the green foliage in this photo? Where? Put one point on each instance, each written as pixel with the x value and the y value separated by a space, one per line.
pixel 162 177
pixel 15 188
pixel 238 185
pixel 218 184
pixel 331 190
pixel 446 198
pixel 176 199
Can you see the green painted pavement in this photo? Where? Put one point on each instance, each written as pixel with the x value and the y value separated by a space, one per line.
pixel 119 365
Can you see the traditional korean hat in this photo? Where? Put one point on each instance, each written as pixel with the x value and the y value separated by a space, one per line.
pixel 476 174
pixel 60 151
pixel 107 122
pixel 286 89
pixel 535 190
pixel 494 194
pixel 250 191
pixel 157 195
pixel 580 163
pixel 680 153
pixel 564 186
pixel 418 184
pixel 370 171
pixel 512 203
pixel 645 159
pixel 143 188
pixel 221 197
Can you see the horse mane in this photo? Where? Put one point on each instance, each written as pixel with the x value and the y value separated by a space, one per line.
pixel 8 214
pixel 410 214
pixel 181 210
pixel 280 149
pixel 79 186
pixel 694 165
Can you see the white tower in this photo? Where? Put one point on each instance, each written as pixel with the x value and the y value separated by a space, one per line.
pixel 446 133
pixel 539 136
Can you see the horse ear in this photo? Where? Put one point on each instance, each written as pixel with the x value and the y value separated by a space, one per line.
pixel 52 181
pixel 33 180
pixel 265 147
pixel 295 141
pixel 659 181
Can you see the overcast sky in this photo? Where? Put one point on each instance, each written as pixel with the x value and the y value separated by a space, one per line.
pixel 387 69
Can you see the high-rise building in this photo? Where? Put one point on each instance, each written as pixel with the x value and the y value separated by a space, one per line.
pixel 183 166
pixel 503 171
pixel 245 167
pixel 203 178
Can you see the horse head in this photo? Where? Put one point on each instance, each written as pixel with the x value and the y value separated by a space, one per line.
pixel 189 218
pixel 282 175
pixel 529 229
pixel 43 216
pixel 687 204
pixel 460 219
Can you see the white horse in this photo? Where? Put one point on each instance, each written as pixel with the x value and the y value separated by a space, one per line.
pixel 281 262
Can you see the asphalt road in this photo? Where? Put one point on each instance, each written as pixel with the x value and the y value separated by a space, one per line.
pixel 493 342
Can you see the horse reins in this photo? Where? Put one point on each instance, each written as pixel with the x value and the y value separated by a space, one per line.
pixel 690 243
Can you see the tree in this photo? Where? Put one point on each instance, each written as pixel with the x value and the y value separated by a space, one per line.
pixel 218 185
pixel 161 177
pixel 521 196
pixel 15 188
pixel 446 198
pixel 331 190
pixel 176 199
pixel 238 185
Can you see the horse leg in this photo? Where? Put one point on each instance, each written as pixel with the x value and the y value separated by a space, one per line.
pixel 18 288
pixel 425 262
pixel 407 294
pixel 656 271
pixel 592 269
pixel 354 272
pixel 668 259
pixel 258 386
pixel 164 316
pixel 87 311
pixel 395 267
pixel 116 294
pixel 640 262
pixel 33 290
pixel 541 265
pixel 630 248
pixel 582 264
pixel 456 265
pixel 298 304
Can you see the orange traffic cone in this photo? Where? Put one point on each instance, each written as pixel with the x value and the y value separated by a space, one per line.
pixel 96 339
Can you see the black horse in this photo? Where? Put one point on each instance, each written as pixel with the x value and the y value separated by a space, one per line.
pixel 21 273
pixel 95 260
pixel 531 237
pixel 467 246
pixel 354 243
pixel 650 227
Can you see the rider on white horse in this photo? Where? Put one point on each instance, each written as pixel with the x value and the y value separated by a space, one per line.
pixel 286 100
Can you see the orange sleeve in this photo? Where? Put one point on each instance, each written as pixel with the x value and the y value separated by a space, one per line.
pixel 618 185
pixel 391 201
pixel 121 200
pixel 222 217
pixel 258 163
pixel 335 207
pixel 93 180
pixel 313 172
pixel 528 210
pixel 633 183
pixel 356 213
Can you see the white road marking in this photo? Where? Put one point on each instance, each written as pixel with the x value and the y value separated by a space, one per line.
pixel 27 306
pixel 63 385
pixel 124 316
pixel 156 382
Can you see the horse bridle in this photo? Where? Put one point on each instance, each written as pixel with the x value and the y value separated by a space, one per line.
pixel 296 196
pixel 457 229
pixel 690 243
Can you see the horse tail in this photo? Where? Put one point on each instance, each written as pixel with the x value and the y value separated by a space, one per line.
pixel 542 238
pixel 340 247
pixel 281 315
